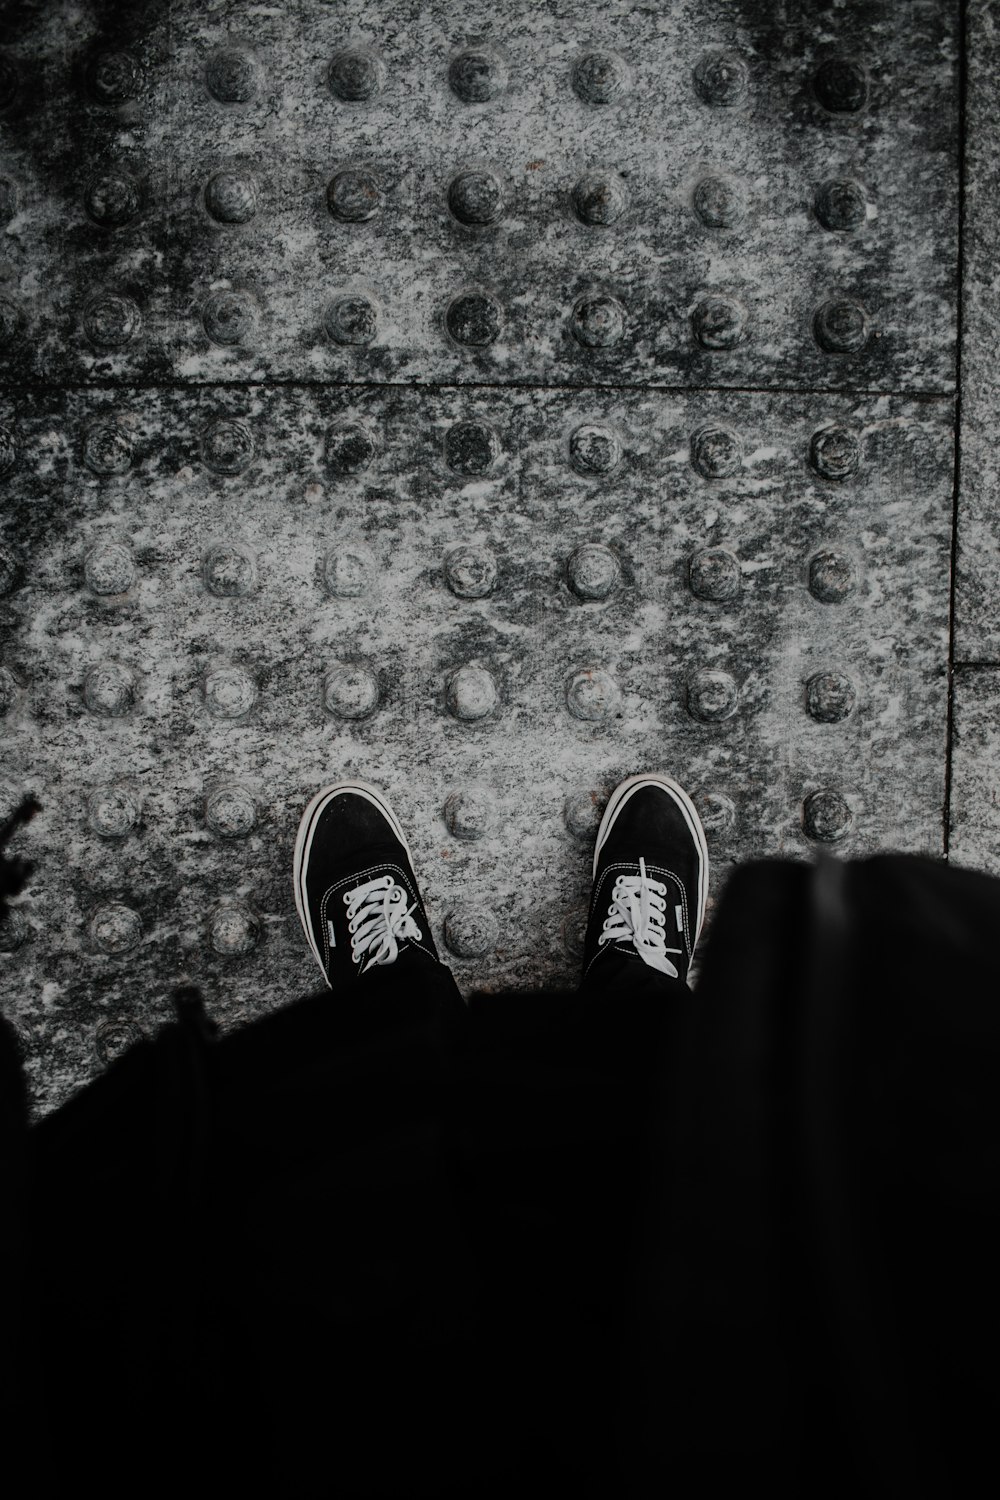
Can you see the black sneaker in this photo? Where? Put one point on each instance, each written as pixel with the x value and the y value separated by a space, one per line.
pixel 355 888
pixel 650 878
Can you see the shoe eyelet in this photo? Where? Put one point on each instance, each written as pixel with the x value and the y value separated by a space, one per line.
pixel 355 956
pixel 348 896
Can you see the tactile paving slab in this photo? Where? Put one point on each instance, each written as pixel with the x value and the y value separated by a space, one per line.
pixel 494 604
pixel 702 194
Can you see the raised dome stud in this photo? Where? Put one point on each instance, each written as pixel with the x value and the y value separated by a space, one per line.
pixel 227 446
pixel 350 691
pixel 470 572
pixel 597 321
pixel 470 812
pixel 230 811
pixel 714 575
pixel 720 323
pixel 716 451
pixel 356 75
pixel 114 928
pixel 841 85
pixel 231 197
pixel 477 75
pixel 229 570
pixel 233 929
pixel 582 811
pixel 721 79
pixel 833 576
pixel 230 317
pixel 351 319
pixel 841 326
pixel 108 447
pixel 111 77
pixel 349 448
pixel 109 689
pixel 599 198
pixel 344 573
pixel 230 692
pixel 593 571
pixel 712 696
pixel 471 931
pixel 474 319
pixel 111 319
pixel 835 451
pixel 232 75
pixel 719 202
pixel 830 697
pixel 826 816
pixel 353 196
pixel 471 693
pixel 476 198
pixel 593 694
pixel 112 200
pixel 113 811
pixel 109 568
pixel 471 448
pixel 716 811
pixel 594 448
pixel 600 77
pixel 841 204
pixel 115 1036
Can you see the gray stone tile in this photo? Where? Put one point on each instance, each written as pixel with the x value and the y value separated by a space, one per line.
pixel 774 636
pixel 974 836
pixel 724 129
pixel 977 614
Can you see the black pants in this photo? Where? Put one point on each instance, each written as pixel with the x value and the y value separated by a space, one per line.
pixel 616 1241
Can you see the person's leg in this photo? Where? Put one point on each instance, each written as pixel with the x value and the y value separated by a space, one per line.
pixel 817 1300
pixel 273 1287
pixel 556 1103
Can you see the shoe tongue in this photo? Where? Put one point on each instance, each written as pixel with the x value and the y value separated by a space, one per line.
pixel 673 912
pixel 378 860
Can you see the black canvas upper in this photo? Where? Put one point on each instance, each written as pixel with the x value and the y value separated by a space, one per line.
pixel 353 844
pixel 649 825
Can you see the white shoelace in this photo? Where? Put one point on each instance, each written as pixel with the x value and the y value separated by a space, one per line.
pixel 636 915
pixel 377 916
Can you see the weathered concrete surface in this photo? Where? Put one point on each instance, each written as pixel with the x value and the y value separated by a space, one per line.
pixel 977 603
pixel 816 664
pixel 367 368
pixel 975 786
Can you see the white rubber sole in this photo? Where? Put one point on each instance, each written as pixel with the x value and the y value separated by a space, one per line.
pixel 304 838
pixel 617 801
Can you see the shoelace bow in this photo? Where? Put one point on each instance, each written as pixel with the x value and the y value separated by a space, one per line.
pixel 636 915
pixel 376 918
